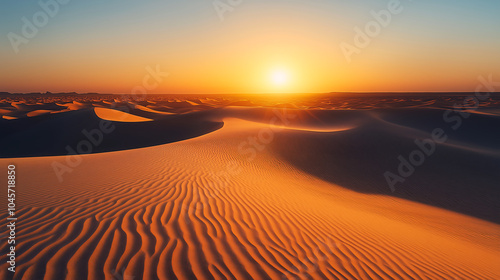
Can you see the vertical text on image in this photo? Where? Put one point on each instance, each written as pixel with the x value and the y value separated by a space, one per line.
pixel 11 217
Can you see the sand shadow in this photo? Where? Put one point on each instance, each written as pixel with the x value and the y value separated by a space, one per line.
pixel 462 174
pixel 59 134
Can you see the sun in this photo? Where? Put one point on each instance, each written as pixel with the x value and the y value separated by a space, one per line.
pixel 280 77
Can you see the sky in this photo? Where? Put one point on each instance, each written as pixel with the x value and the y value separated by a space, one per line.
pixel 247 46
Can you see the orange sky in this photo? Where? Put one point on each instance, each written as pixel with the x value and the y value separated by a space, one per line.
pixel 96 47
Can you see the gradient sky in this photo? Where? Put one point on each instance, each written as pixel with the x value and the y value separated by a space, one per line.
pixel 105 46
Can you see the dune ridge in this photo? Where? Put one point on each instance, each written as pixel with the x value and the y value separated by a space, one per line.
pixel 156 213
pixel 118 116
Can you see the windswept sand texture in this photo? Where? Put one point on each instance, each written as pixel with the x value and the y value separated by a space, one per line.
pixel 251 190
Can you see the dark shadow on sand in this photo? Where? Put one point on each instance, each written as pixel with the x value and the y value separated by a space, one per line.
pixel 51 135
pixel 463 177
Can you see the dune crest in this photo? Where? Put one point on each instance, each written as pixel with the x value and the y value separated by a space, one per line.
pixel 118 116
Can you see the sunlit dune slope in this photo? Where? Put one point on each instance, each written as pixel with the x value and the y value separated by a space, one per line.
pixel 212 208
pixel 118 116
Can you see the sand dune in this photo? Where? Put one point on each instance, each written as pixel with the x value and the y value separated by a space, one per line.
pixel 19 105
pixel 144 108
pixel 37 113
pixel 460 175
pixel 211 207
pixel 118 116
pixel 82 131
pixel 9 117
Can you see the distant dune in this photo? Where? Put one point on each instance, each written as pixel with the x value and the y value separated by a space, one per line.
pixel 52 134
pixel 118 116
pixel 253 192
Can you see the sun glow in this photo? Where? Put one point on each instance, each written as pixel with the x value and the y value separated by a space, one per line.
pixel 280 77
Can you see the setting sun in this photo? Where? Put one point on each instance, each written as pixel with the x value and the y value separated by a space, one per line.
pixel 279 77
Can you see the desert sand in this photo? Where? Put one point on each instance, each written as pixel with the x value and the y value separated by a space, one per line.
pixel 240 191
